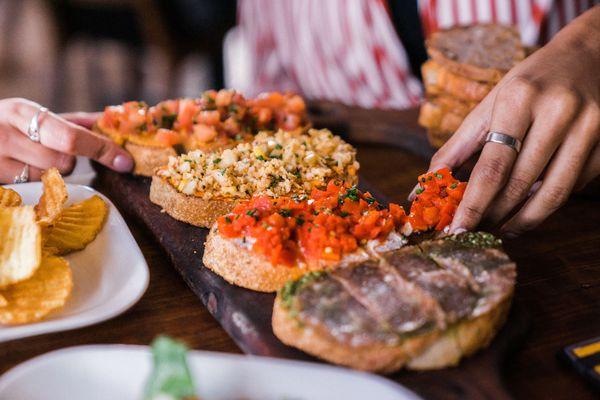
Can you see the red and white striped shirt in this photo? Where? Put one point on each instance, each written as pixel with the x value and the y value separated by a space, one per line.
pixel 349 51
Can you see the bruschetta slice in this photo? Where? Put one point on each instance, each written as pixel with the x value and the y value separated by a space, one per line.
pixel 421 307
pixel 215 121
pixel 198 187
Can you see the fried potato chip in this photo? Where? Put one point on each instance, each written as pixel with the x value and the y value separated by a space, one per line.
pixel 53 199
pixel 3 301
pixel 20 244
pixel 9 198
pixel 77 226
pixel 33 299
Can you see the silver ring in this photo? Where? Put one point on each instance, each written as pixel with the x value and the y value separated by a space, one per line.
pixel 23 177
pixel 503 138
pixel 33 132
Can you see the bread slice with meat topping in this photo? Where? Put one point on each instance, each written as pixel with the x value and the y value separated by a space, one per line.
pixel 482 52
pixel 420 307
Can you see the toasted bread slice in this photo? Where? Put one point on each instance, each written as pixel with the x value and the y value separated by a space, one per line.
pixel 434 115
pixel 240 266
pixel 234 260
pixel 148 158
pixel 439 80
pixel 376 358
pixel 424 306
pixel 430 350
pixel 190 209
pixel 481 52
pixel 146 153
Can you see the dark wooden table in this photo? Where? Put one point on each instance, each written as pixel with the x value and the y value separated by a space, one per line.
pixel 558 274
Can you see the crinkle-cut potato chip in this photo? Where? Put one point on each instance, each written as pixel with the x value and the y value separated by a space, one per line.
pixel 53 198
pixel 20 244
pixel 33 299
pixel 9 198
pixel 77 226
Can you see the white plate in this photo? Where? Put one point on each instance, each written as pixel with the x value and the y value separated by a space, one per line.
pixel 120 372
pixel 109 275
pixel 83 174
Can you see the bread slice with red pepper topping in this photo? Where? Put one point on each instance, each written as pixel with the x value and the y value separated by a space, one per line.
pixel 265 242
pixel 215 121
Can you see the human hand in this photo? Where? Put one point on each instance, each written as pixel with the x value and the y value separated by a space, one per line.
pixel 551 102
pixel 60 141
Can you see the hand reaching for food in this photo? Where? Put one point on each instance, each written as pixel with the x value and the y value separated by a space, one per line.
pixel 35 139
pixel 539 129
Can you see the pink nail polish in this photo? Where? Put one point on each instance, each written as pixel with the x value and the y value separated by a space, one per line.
pixel 123 163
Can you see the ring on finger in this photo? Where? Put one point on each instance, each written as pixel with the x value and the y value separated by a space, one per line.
pixel 33 132
pixel 503 138
pixel 23 177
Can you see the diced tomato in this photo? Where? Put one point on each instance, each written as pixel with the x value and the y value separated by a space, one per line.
pixel 325 226
pixel 264 116
pixel 291 122
pixel 204 133
pixel 295 104
pixel 224 97
pixel 437 198
pixel 210 117
pixel 167 137
pixel 188 108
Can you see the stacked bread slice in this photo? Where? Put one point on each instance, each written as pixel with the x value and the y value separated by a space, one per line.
pixel 465 64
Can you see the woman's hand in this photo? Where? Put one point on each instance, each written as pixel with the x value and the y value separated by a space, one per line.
pixel 60 141
pixel 551 102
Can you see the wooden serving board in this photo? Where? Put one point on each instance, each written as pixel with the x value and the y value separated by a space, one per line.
pixel 246 315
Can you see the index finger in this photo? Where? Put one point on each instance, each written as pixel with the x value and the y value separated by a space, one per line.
pixel 67 137
pixel 511 115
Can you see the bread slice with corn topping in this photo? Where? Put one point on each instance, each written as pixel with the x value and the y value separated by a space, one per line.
pixel 197 187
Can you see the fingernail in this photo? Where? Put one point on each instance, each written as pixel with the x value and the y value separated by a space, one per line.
pixel 123 163
pixel 534 188
pixel 458 231
pixel 413 193
pixel 510 235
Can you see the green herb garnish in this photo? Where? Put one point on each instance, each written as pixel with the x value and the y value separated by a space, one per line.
pixel 284 212
pixel 171 377
pixel 167 121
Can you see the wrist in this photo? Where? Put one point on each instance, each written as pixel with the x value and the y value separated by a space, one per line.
pixel 582 34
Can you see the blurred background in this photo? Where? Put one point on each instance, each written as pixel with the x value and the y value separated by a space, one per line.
pixel 85 54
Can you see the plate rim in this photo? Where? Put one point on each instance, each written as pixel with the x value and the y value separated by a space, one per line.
pixel 18 370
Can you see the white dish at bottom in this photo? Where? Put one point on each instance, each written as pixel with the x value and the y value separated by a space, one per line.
pixel 120 372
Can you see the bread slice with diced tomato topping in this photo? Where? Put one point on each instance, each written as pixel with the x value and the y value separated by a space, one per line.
pixel 215 121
